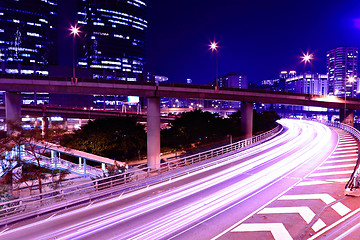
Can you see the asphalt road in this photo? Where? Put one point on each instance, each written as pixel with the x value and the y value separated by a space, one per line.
pixel 200 205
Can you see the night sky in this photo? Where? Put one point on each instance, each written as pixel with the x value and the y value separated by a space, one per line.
pixel 257 38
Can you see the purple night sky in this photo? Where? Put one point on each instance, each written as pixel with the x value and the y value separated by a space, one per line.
pixel 257 37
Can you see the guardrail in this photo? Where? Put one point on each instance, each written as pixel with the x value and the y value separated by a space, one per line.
pixel 354 180
pixel 15 210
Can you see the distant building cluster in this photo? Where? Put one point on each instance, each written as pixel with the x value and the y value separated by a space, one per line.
pixel 341 76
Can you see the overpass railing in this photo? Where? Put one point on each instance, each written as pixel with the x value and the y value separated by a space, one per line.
pixel 124 183
pixel 354 181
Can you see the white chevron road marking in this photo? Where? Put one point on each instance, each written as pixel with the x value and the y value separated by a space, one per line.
pixel 305 212
pixel 340 208
pixel 331 173
pixel 337 166
pixel 278 230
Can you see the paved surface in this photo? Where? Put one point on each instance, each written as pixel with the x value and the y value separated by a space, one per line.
pixel 270 191
pixel 312 208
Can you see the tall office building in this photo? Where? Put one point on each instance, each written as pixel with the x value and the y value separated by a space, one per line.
pixel 342 64
pixel 233 80
pixel 113 43
pixel 28 36
pixel 28 40
pixel 308 83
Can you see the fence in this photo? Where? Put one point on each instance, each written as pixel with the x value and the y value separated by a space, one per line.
pixel 355 176
pixel 15 210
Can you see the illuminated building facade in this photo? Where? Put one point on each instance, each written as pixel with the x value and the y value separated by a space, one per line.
pixel 28 36
pixel 28 40
pixel 308 83
pixel 342 64
pixel 113 43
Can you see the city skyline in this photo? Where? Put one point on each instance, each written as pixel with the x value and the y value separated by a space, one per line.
pixel 257 38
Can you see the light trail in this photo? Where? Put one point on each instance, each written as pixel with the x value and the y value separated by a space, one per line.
pixel 239 175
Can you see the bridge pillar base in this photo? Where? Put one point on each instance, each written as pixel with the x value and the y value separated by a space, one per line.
pixel 347 118
pixel 247 119
pixel 44 126
pixel 12 109
pixel 153 132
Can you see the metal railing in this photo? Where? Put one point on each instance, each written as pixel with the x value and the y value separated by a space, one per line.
pixel 134 179
pixel 355 176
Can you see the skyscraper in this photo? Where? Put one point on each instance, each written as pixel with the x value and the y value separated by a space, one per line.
pixel 113 43
pixel 342 64
pixel 28 36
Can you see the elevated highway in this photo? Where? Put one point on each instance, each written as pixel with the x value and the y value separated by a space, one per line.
pixel 153 92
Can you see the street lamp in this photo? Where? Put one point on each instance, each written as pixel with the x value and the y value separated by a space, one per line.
pixel 75 32
pixel 307 58
pixel 214 47
pixel 350 80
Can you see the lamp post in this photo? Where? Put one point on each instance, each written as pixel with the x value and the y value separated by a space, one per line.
pixel 75 32
pixel 350 80
pixel 307 58
pixel 214 47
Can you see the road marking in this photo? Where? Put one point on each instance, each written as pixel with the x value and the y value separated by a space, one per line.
pixel 331 173
pixel 4 230
pixel 278 230
pixel 50 217
pixel 340 208
pixel 341 160
pixel 327 181
pixel 305 212
pixel 89 205
pixel 336 166
pixel 309 183
pixel 344 151
pixel 334 224
pixel 319 224
pixel 344 155
pixel 347 148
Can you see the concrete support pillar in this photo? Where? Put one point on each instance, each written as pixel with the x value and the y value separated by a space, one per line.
pixel 103 167
pixel 65 124
pixel 44 126
pixel 247 119
pixel 153 133
pixel 348 117
pixel 54 157
pixel 36 123
pixel 12 109
pixel 80 161
pixel 84 166
pixel 329 116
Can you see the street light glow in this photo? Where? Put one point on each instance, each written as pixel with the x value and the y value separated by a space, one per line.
pixel 75 30
pixel 213 46
pixel 307 57
pixel 351 79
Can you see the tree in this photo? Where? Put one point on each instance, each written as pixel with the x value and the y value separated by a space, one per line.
pixel 195 128
pixel 117 138
pixel 19 143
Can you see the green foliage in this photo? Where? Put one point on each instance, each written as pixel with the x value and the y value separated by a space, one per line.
pixel 117 138
pixel 199 128
pixel 264 121
pixel 195 127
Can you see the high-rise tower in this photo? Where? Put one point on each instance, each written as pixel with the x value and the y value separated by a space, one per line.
pixel 28 36
pixel 113 43
pixel 342 65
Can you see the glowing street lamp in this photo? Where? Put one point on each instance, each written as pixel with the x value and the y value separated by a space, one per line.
pixel 307 58
pixel 214 47
pixel 75 31
pixel 350 80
